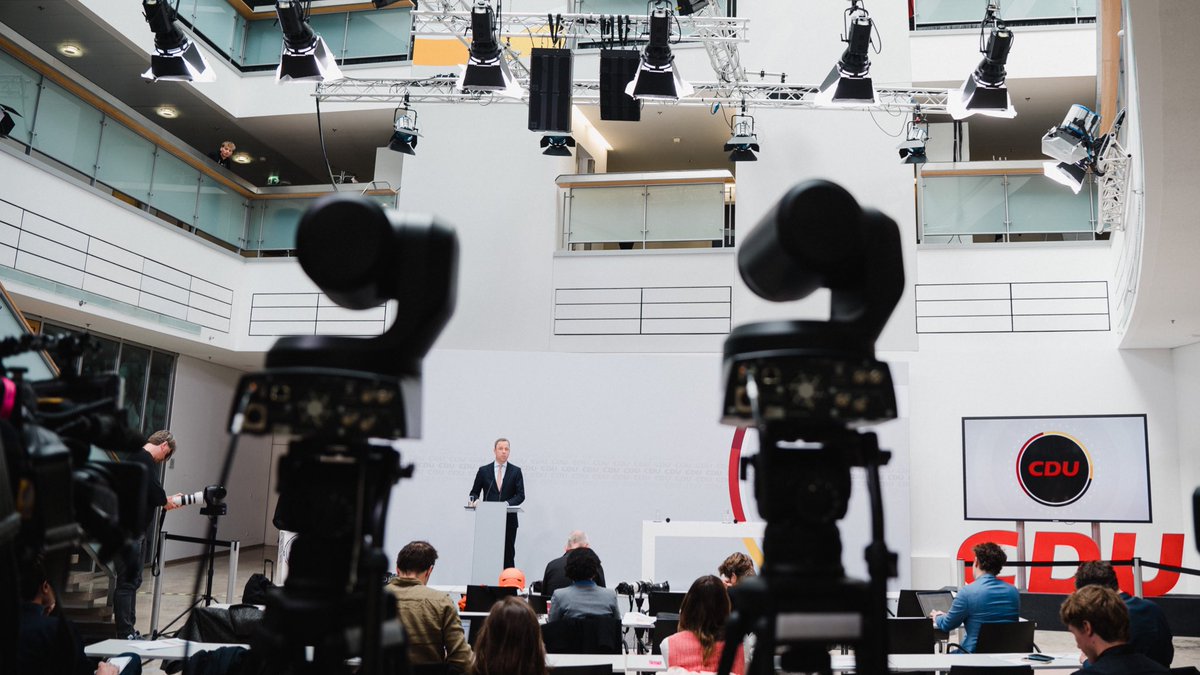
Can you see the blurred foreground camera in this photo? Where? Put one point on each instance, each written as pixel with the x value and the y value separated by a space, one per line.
pixel 344 399
pixel 804 385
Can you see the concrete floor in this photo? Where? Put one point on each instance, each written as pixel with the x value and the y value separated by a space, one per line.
pixel 178 580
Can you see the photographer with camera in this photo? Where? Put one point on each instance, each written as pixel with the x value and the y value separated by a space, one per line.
pixel 129 563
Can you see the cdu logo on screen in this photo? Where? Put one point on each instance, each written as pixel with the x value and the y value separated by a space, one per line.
pixel 1054 469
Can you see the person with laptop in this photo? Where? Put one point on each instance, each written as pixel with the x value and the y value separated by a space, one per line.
pixel 1149 632
pixel 583 597
pixel 430 618
pixel 1098 619
pixel 985 600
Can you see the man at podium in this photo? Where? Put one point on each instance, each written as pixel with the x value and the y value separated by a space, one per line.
pixel 501 481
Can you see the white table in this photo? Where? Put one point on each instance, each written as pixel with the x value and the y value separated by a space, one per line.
pixel 618 662
pixel 653 529
pixel 942 662
pixel 176 650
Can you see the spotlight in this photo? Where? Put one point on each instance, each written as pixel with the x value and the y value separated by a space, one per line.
pixel 177 58
pixel 305 56
pixel 744 142
pixel 850 79
pixel 1071 175
pixel 687 7
pixel 486 68
pixel 657 77
pixel 984 92
pixel 7 123
pixel 912 149
pixel 404 138
pixel 557 145
pixel 1075 139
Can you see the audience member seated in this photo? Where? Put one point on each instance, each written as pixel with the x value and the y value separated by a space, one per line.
pixel 555 576
pixel 1099 620
pixel 512 577
pixel 429 617
pixel 510 642
pixel 697 646
pixel 985 600
pixel 583 597
pixel 737 567
pixel 49 642
pixel 1149 632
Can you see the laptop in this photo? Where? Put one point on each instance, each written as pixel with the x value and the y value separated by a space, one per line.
pixel 481 598
pixel 934 601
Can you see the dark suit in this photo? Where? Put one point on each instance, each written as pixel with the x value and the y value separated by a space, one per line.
pixel 555 576
pixel 1149 632
pixel 1122 660
pixel 512 491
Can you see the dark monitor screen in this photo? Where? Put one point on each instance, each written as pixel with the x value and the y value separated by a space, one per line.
pixel 935 600
pixel 481 598
pixel 662 601
pixel 538 602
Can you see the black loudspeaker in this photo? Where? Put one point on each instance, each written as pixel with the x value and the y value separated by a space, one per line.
pixel 617 68
pixel 550 90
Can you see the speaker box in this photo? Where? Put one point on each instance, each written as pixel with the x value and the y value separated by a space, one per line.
pixel 550 89
pixel 617 68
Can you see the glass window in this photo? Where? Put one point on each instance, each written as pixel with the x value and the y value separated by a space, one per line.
pixel 1038 204
pixel 126 161
pixel 102 359
pixel 953 205
pixel 19 91
pixel 222 212
pixel 174 187
pixel 158 393
pixel 332 28
pixel 264 44
pixel 135 366
pixel 379 34
pixel 216 20
pixel 607 214
pixel 685 212
pixel 280 218
pixel 67 129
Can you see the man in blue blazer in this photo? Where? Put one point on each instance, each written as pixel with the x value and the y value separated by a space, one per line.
pixel 985 600
pixel 501 481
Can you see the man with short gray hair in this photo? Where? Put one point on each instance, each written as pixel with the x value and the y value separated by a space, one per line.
pixel 555 576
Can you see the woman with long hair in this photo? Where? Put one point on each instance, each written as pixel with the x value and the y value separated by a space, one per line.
pixel 697 646
pixel 510 642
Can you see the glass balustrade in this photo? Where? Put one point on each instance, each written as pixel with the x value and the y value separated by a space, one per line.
pixel 994 204
pixel 933 13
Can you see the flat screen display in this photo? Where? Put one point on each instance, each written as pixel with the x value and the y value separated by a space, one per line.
pixel 1080 468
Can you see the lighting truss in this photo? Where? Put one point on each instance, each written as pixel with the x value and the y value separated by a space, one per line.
pixel 1113 167
pixel 440 89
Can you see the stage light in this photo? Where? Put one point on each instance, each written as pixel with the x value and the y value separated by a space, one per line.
pixel 486 69
pixel 557 145
pixel 7 123
pixel 305 56
pixel 1075 139
pixel 744 143
pixel 985 91
pixel 405 132
pixel 657 78
pixel 687 7
pixel 1071 175
pixel 177 58
pixel 912 148
pixel 850 79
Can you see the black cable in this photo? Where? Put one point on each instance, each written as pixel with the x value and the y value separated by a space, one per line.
pixel 324 153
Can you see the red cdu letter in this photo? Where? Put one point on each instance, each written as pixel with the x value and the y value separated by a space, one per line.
pixel 1171 553
pixel 1045 546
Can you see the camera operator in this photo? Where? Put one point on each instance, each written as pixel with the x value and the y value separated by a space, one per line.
pixel 129 563
pixel 49 642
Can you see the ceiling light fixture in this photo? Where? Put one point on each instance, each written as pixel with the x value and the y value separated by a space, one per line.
pixel 305 56
pixel 486 69
pixel 405 131
pixel 558 145
pixel 166 111
pixel 70 50
pixel 242 158
pixel 177 57
pixel 744 143
pixel 850 79
pixel 912 149
pixel 985 91
pixel 657 78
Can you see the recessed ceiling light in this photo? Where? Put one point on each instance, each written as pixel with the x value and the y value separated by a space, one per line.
pixel 169 112
pixel 70 49
pixel 242 157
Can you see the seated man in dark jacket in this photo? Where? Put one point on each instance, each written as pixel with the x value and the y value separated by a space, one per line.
pixel 1098 619
pixel 555 576
pixel 1149 632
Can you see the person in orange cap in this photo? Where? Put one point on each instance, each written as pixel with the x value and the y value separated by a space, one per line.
pixel 512 577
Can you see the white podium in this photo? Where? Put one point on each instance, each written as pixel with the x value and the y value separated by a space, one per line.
pixel 487 558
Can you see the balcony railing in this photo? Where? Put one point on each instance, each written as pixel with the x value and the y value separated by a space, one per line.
pixel 97 143
pixel 623 211
pixel 956 13
pixel 986 202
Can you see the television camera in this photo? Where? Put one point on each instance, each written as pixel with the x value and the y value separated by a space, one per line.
pixel 344 400
pixel 53 494
pixel 806 385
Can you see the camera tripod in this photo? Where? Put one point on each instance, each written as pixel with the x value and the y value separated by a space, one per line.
pixel 213 511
